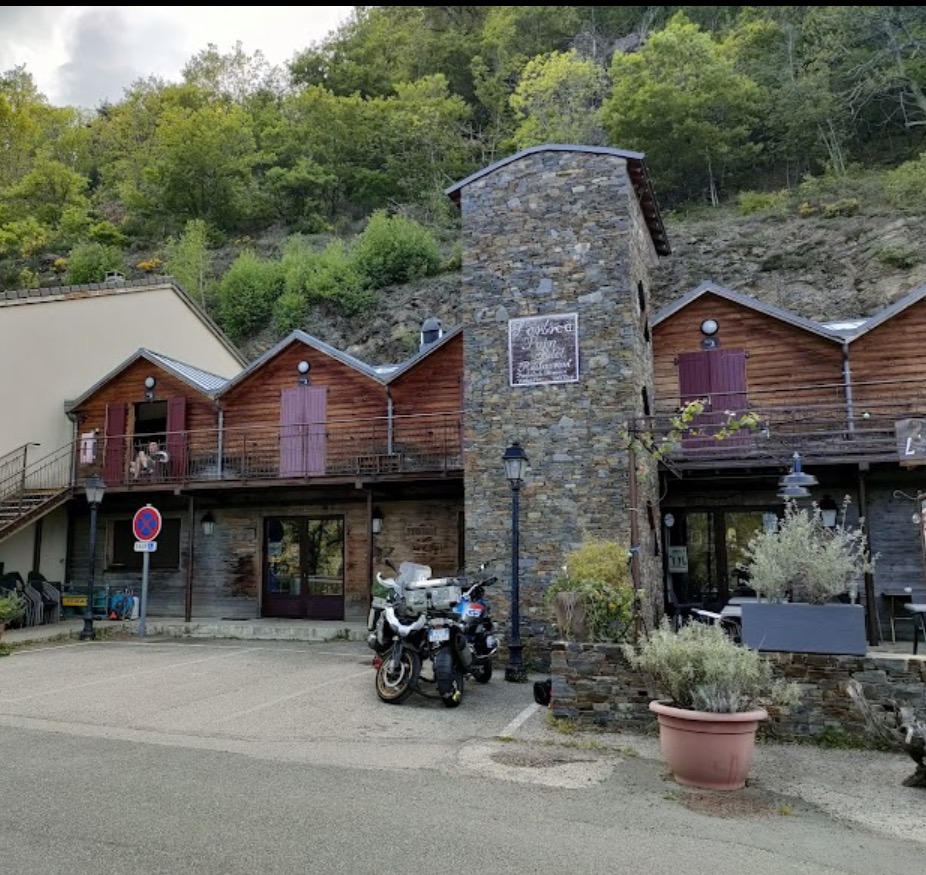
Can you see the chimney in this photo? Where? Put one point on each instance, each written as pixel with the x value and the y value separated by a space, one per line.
pixel 431 331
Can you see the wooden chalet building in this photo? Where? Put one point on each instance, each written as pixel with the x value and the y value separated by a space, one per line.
pixel 287 462
pixel 849 398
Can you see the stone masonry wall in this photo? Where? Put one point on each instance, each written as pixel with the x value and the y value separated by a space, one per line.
pixel 554 233
pixel 594 685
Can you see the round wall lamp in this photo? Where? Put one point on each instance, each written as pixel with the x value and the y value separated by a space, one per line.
pixel 709 327
pixel 303 367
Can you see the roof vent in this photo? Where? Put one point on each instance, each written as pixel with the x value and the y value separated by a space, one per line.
pixel 431 331
pixel 115 277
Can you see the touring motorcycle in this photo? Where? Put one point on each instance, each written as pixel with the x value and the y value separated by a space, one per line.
pixel 415 620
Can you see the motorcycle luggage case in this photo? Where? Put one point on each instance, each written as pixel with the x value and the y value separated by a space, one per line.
pixel 442 597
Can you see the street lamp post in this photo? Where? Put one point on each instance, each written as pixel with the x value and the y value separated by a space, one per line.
pixel 94 488
pixel 515 460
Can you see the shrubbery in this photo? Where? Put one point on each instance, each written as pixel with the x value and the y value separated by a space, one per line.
pixel 90 262
pixel 393 249
pixel 247 295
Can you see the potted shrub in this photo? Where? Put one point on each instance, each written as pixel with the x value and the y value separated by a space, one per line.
pixel 593 598
pixel 714 693
pixel 808 577
pixel 12 608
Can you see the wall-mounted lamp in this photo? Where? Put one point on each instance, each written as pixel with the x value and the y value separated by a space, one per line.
pixel 709 329
pixel 829 512
pixel 669 520
pixel 303 368
pixel 794 485
pixel 208 523
pixel 376 521
pixel 150 383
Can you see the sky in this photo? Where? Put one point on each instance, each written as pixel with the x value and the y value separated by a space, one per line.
pixel 87 55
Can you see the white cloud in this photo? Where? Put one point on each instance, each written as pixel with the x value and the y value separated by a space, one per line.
pixel 87 55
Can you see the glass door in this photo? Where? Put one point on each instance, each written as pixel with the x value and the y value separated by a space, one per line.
pixel 303 568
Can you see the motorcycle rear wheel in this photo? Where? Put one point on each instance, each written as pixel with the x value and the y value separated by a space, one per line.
pixel 448 674
pixel 395 687
pixel 481 672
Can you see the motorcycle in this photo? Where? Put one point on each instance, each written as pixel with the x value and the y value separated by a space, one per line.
pixel 476 617
pixel 419 621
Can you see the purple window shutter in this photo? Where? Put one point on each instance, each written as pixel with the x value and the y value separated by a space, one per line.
pixel 694 384
pixel 316 410
pixel 176 435
pixel 728 379
pixel 114 455
pixel 291 427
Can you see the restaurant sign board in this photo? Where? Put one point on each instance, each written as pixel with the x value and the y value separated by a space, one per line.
pixel 543 349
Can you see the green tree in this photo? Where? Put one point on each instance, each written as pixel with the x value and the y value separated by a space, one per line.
pixel 681 101
pixel 49 189
pixel 558 100
pixel 189 260
pixel 393 249
pixel 247 294
pixel 90 262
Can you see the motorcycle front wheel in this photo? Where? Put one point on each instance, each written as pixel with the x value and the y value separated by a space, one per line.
pixel 448 675
pixel 481 671
pixel 395 685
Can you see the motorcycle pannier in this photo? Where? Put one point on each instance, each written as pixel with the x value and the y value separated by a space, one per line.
pixel 441 598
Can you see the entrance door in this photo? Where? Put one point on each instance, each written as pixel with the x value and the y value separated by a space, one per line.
pixel 303 412
pixel 304 568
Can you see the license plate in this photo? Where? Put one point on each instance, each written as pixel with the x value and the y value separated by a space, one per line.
pixel 439 634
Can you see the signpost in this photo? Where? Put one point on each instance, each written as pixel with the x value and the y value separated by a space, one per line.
pixel 146 526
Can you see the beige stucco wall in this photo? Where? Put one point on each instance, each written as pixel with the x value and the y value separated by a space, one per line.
pixel 55 348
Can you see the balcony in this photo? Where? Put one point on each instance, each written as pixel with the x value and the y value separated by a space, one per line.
pixel 881 425
pixel 399 448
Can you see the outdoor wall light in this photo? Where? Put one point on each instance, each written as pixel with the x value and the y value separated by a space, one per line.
pixel 303 368
pixel 376 521
pixel 829 511
pixel 150 383
pixel 208 523
pixel 709 327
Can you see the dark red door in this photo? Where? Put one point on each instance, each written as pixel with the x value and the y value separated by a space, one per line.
pixel 303 568
pixel 114 458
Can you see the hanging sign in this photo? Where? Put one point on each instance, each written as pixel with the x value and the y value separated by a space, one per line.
pixel 543 349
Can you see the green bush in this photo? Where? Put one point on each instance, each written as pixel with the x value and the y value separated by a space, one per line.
pixel 289 313
pixel 393 249
pixel 247 294
pixel 90 262
pixel 898 256
pixel 905 186
pixel 750 202
pixel 598 574
pixel 330 276
pixel 106 233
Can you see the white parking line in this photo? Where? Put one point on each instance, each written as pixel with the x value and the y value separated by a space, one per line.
pixel 519 721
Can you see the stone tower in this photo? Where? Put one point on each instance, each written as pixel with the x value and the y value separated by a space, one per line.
pixel 558 243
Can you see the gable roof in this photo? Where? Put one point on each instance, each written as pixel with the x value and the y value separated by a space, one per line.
pixel 118 286
pixel 853 332
pixel 383 374
pixel 636 169
pixel 202 381
pixel 753 304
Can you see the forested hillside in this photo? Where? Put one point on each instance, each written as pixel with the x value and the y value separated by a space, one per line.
pixel 784 144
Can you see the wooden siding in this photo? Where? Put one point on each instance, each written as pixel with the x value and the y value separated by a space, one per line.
pixel 433 386
pixel 128 387
pixel 785 365
pixel 889 364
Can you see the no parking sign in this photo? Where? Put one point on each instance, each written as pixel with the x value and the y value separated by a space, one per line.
pixel 146 524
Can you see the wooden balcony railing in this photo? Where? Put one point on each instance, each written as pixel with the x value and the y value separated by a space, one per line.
pixel 821 433
pixel 412 445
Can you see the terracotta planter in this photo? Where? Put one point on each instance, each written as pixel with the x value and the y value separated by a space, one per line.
pixel 707 750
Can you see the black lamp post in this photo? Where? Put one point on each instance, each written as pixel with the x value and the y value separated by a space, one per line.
pixel 94 488
pixel 515 460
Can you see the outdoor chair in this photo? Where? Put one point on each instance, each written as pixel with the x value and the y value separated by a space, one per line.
pixel 50 594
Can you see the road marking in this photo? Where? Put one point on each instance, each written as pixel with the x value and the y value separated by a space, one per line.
pixel 518 722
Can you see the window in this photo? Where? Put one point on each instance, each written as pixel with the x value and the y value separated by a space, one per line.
pixel 122 546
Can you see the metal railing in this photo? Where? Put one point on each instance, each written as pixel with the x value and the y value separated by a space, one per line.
pixel 410 445
pixel 823 433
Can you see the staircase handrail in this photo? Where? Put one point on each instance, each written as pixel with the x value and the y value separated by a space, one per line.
pixel 52 471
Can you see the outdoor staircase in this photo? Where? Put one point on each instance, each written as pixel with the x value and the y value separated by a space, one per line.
pixel 30 490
